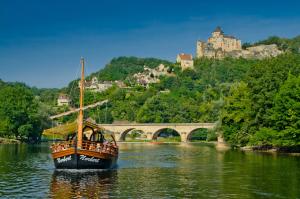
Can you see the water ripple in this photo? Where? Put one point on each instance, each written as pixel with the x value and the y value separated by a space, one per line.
pixel 151 171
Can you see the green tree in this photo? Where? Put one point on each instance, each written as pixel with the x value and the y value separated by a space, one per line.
pixel 236 114
pixel 19 113
pixel 285 115
pixel 264 80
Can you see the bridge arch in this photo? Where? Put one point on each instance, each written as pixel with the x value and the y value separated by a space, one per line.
pixel 157 132
pixel 189 135
pixel 124 133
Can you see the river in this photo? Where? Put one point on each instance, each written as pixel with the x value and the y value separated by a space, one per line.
pixel 153 171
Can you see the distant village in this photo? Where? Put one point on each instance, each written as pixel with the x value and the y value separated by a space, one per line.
pixel 93 85
pixel 218 46
pixel 145 78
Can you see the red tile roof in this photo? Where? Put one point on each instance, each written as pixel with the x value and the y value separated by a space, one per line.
pixel 185 56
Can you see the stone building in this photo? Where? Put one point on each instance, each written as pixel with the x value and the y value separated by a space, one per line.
pixel 120 84
pixel 95 85
pixel 103 86
pixel 185 60
pixel 151 75
pixel 148 76
pixel 63 100
pixel 218 45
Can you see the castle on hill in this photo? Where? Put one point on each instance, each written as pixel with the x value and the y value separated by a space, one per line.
pixel 220 45
pixel 217 45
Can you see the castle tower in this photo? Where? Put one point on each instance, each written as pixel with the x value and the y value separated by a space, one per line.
pixel 200 49
pixel 217 32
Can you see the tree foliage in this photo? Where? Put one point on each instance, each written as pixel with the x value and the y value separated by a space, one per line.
pixel 20 113
pixel 284 116
pixel 266 105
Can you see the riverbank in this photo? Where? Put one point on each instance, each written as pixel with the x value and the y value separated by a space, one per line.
pixel 9 141
pixel 272 149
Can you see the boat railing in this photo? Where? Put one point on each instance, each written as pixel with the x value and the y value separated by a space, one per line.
pixel 63 145
pixel 106 147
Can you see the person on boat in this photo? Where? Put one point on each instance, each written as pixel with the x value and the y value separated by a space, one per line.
pixel 85 137
pixel 101 138
pixel 92 147
pixel 98 148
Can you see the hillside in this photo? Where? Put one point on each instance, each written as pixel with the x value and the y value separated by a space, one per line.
pixel 194 95
pixel 122 67
pixel 247 98
pixel 241 94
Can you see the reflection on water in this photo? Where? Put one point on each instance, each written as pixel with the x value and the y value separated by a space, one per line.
pixel 86 184
pixel 153 171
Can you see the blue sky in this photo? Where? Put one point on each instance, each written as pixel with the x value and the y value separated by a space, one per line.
pixel 41 42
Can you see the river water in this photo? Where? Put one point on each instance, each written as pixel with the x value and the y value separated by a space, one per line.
pixel 153 171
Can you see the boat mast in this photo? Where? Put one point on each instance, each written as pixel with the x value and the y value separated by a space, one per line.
pixel 80 116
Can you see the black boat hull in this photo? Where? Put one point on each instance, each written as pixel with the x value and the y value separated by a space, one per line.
pixel 80 161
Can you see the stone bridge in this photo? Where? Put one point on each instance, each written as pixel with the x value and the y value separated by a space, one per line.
pixel 152 130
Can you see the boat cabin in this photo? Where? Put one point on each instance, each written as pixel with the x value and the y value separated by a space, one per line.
pixel 94 138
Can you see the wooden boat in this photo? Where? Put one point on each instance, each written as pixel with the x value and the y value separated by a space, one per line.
pixel 88 147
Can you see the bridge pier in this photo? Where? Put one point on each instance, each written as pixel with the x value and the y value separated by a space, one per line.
pixel 183 136
pixel 220 139
pixel 149 135
pixel 118 136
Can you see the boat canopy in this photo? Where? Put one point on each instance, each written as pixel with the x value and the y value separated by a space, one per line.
pixel 70 128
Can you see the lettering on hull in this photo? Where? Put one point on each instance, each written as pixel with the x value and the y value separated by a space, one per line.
pixel 92 159
pixel 64 159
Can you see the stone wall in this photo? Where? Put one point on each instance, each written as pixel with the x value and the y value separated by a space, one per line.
pixel 257 52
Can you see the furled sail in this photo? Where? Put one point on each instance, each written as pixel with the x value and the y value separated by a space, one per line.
pixel 70 128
